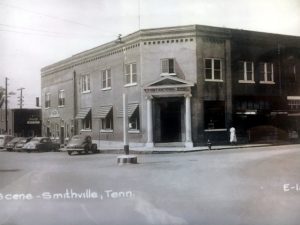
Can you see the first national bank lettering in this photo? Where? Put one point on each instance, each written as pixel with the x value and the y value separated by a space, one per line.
pixel 184 85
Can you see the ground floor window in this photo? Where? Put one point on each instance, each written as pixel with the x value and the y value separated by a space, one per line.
pixel 107 122
pixel 214 114
pixel 87 121
pixel 134 120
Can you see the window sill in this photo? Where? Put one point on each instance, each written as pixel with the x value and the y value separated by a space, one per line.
pixel 210 80
pixel 134 131
pixel 130 85
pixel 106 89
pixel 168 74
pixel 47 107
pixel 246 81
pixel 266 82
pixel 106 131
pixel 61 106
pixel 86 92
pixel 214 130
pixel 86 130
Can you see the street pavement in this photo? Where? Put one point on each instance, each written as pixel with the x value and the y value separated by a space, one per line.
pixel 232 186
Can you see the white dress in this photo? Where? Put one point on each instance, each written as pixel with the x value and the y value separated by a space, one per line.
pixel 232 135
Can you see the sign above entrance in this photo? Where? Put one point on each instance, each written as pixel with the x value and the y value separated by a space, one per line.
pixel 169 86
pixel 54 114
pixel 168 90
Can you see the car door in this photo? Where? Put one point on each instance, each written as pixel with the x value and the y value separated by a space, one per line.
pixel 44 144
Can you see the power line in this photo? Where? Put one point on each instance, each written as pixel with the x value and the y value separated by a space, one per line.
pixel 32 29
pixel 43 31
pixel 52 35
pixel 46 15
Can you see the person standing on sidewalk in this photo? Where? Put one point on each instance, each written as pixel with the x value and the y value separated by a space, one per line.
pixel 233 139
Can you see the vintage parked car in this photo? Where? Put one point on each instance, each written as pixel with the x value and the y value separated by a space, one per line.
pixel 81 144
pixel 19 146
pixel 4 139
pixel 11 145
pixel 41 144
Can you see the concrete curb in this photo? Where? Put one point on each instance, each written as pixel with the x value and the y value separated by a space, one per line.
pixel 179 150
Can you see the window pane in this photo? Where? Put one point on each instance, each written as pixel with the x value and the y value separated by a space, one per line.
pixel 208 63
pixel 217 74
pixel 133 68
pixel 88 83
pixel 171 66
pixel 164 66
pixel 104 79
pixel 127 69
pixel 208 74
pixel 217 64
pixel 127 77
pixel 249 76
pixel 262 71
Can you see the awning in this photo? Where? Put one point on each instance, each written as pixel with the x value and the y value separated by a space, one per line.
pixel 130 109
pixel 103 111
pixel 82 113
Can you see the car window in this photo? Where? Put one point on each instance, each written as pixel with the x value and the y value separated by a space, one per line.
pixel 45 140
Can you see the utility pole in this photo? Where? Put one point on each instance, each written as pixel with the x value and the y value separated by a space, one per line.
pixel 21 97
pixel 6 121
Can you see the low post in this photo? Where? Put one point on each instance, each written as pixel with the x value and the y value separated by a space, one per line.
pixel 209 144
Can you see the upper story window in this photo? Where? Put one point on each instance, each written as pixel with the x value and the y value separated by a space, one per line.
pixel 85 83
pixel 61 98
pixel 130 74
pixel 247 72
pixel 266 73
pixel 47 100
pixel 213 70
pixel 106 79
pixel 167 66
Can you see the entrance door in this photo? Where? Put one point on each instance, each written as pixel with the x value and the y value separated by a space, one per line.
pixel 169 121
pixel 62 135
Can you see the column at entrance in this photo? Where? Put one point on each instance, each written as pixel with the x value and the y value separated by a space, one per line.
pixel 149 143
pixel 188 124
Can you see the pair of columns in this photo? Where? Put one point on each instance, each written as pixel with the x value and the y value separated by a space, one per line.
pixel 188 126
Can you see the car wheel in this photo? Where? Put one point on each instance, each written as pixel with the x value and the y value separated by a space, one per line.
pixel 28 151
pixel 70 152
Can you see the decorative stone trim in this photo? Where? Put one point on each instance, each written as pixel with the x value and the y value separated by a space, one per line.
pixel 168 41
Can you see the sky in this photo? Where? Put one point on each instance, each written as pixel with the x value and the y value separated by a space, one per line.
pixel 35 33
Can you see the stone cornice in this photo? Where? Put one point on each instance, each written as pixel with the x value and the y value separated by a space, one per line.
pixel 139 38
pixel 128 42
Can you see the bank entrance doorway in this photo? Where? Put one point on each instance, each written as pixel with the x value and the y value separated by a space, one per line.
pixel 168 119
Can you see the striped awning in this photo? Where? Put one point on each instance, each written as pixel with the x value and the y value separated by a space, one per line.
pixel 82 113
pixel 131 108
pixel 103 111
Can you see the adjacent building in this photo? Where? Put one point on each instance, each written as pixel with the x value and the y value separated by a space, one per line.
pixel 21 122
pixel 184 85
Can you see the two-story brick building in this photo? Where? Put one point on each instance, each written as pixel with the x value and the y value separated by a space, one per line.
pixel 184 85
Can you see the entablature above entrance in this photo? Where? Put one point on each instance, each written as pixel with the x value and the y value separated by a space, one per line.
pixel 168 87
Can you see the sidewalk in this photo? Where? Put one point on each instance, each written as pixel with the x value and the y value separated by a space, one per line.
pixel 165 150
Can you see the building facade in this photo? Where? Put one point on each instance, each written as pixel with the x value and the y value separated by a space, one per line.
pixel 184 85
